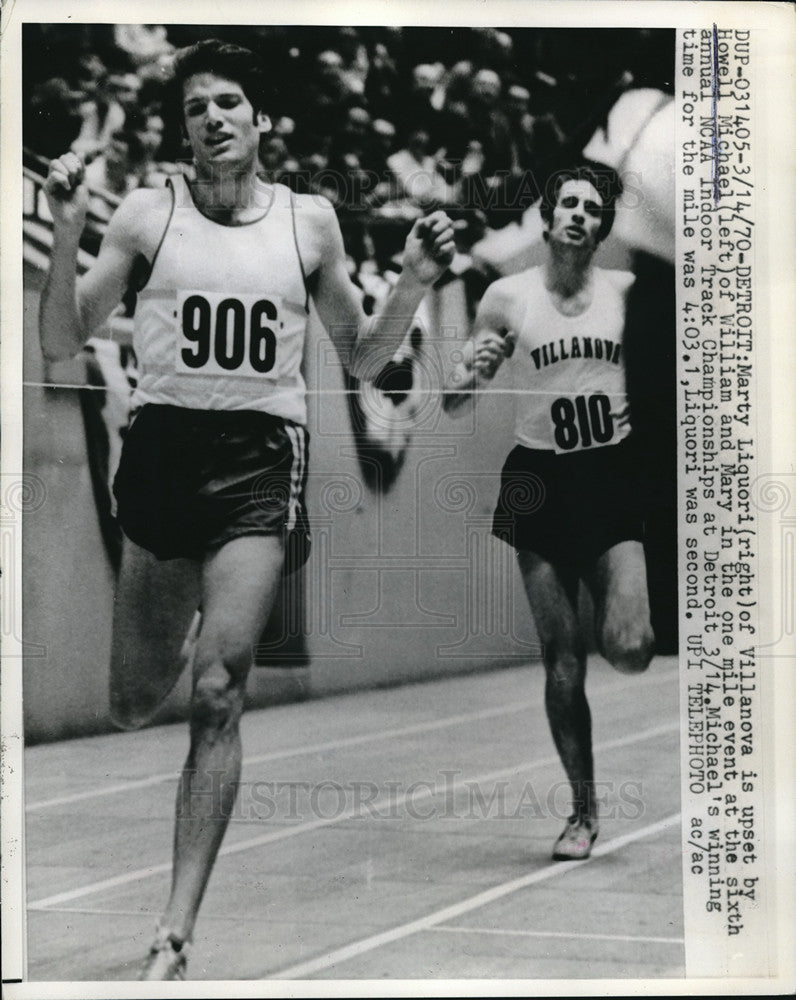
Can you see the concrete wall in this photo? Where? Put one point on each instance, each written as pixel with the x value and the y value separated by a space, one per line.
pixel 402 584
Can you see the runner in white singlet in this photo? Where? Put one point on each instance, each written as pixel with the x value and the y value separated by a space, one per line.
pixel 213 464
pixel 255 277
pixel 568 501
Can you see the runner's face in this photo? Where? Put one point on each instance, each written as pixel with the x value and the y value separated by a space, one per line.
pixel 576 216
pixel 220 122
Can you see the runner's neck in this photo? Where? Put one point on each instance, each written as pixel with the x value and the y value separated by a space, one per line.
pixel 232 198
pixel 569 279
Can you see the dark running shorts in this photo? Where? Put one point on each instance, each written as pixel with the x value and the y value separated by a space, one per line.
pixel 192 480
pixel 569 509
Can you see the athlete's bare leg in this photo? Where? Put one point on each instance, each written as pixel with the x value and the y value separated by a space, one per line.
pixel 155 602
pixel 239 583
pixel 553 596
pixel 618 584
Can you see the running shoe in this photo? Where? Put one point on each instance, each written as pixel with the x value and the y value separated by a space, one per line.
pixel 167 958
pixel 575 842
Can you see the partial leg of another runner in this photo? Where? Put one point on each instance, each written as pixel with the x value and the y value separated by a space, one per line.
pixel 553 596
pixel 618 584
pixel 239 583
pixel 148 652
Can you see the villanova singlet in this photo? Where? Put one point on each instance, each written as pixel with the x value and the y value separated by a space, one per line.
pixel 569 371
pixel 221 322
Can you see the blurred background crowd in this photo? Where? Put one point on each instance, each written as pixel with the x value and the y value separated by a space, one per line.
pixel 388 123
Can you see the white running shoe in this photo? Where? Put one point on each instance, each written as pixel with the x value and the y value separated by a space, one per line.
pixel 575 842
pixel 167 958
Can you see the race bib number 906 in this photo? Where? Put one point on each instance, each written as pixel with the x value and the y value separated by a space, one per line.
pixel 220 334
pixel 580 422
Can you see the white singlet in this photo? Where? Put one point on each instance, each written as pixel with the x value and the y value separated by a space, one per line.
pixel 220 324
pixel 569 371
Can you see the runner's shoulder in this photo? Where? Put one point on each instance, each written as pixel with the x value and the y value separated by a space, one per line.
pixel 314 208
pixel 506 292
pixel 140 212
pixel 620 280
pixel 316 222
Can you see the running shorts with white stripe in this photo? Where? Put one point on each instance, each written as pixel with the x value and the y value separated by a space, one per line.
pixel 191 480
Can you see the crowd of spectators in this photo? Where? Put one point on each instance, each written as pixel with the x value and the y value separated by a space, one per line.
pixel 388 123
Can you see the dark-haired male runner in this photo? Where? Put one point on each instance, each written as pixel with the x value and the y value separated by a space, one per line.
pixel 214 464
pixel 569 499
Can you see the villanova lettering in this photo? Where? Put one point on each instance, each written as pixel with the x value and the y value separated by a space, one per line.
pixel 579 347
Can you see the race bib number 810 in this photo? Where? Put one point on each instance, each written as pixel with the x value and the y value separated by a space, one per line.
pixel 580 422
pixel 220 334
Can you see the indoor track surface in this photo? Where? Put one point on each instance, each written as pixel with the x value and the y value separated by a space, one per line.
pixel 401 833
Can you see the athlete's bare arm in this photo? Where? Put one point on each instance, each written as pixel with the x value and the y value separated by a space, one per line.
pixel 484 352
pixel 72 308
pixel 365 344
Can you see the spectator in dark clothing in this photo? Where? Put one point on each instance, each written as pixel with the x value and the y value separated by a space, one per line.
pixel 326 97
pixel 105 113
pixel 381 84
pixel 118 170
pixel 356 135
pixel 382 146
pixel 490 126
pixel 52 118
pixel 279 166
pixel 518 111
pixel 415 109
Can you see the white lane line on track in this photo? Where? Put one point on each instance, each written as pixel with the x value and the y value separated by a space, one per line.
pixel 565 935
pixel 93 911
pixel 339 744
pixel 348 741
pixel 420 793
pixel 305 969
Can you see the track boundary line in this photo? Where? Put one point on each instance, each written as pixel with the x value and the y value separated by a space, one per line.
pixel 345 742
pixel 563 935
pixel 303 970
pixel 419 794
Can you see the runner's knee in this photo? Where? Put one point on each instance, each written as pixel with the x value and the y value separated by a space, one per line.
pixel 566 674
pixel 628 649
pixel 129 715
pixel 217 694
pixel 221 666
pixel 132 706
pixel 216 702
pixel 563 651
